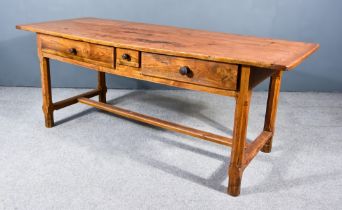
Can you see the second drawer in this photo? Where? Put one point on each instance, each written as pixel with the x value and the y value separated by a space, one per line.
pixel 195 71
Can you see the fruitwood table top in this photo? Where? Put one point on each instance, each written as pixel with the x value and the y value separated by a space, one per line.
pixel 215 46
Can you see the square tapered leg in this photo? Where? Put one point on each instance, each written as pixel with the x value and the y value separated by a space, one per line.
pixel 46 91
pixel 101 86
pixel 271 109
pixel 239 133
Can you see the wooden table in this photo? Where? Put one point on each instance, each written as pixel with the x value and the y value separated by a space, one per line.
pixel 219 63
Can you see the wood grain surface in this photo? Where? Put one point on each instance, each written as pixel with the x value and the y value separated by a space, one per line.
pixel 207 73
pixel 169 40
pixel 78 50
pixel 133 60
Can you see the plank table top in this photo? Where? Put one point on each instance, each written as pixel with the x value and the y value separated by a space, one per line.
pixel 215 46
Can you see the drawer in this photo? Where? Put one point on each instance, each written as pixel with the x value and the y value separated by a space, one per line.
pixel 127 57
pixel 195 71
pixel 78 50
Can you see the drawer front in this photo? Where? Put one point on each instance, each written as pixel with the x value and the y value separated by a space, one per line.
pixel 207 73
pixel 78 50
pixel 127 57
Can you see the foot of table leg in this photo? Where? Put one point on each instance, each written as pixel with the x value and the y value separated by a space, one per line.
pixel 271 108
pixel 234 184
pixel 239 133
pixel 49 122
pixel 267 147
pixel 101 86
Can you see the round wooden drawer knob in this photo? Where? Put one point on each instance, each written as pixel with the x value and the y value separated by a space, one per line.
pixel 73 51
pixel 126 57
pixel 184 70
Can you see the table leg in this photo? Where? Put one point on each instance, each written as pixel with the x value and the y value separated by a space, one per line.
pixel 239 133
pixel 271 109
pixel 46 91
pixel 101 86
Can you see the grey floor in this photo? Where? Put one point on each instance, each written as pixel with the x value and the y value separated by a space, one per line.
pixel 94 160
